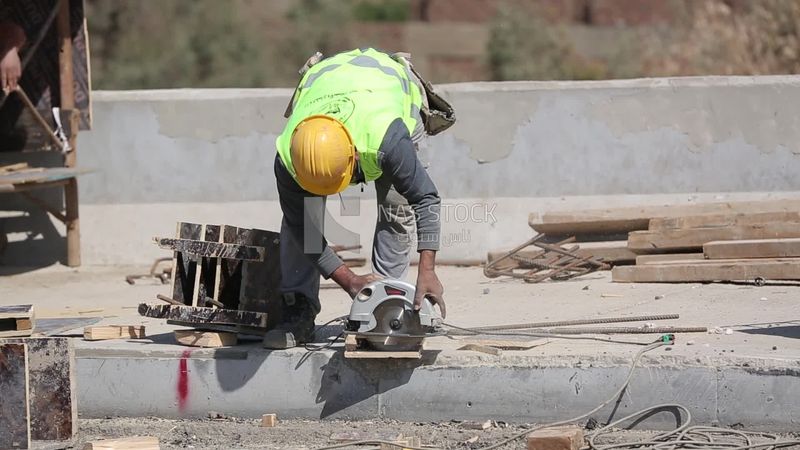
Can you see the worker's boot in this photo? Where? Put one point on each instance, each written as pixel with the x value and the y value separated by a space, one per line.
pixel 297 326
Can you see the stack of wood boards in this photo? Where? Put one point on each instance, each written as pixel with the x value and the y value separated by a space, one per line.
pixel 674 243
pixel 225 279
pixel 736 241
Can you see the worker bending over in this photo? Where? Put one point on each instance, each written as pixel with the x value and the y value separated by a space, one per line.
pixel 355 117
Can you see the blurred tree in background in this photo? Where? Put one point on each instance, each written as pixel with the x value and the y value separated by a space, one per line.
pixel 202 43
pixel 256 43
pixel 523 46
pixel 763 37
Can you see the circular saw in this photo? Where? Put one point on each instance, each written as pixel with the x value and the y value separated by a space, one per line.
pixel 383 315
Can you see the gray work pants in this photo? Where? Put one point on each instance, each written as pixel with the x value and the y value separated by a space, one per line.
pixel 391 246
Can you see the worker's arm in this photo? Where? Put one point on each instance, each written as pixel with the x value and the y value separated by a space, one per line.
pixel 398 159
pixel 303 215
pixel 12 38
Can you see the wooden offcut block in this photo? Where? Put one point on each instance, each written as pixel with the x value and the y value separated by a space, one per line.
pixel 269 420
pixel 211 339
pixel 556 438
pixel 98 333
pixel 15 428
pixel 129 443
pixel 16 320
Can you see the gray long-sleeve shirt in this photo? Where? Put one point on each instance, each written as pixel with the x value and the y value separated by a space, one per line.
pixel 398 159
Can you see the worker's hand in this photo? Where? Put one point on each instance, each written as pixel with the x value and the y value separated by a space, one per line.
pixel 360 281
pixel 428 284
pixel 10 70
pixel 351 282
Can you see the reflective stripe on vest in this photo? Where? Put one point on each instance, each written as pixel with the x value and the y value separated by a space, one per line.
pixel 364 89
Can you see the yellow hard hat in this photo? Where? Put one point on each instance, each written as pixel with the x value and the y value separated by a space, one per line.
pixel 323 155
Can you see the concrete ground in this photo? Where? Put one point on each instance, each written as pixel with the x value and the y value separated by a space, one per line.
pixel 748 378
pixel 765 320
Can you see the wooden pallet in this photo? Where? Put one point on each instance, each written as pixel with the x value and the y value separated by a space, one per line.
pixel 227 267
pixel 355 347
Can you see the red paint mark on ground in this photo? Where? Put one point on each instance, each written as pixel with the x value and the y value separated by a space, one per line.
pixel 183 380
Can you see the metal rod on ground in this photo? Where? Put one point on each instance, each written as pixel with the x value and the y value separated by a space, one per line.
pixel 563 323
pixel 616 330
pixel 169 300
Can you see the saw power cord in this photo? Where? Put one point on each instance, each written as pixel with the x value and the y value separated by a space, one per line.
pixel 686 436
pixel 683 437
pixel 617 393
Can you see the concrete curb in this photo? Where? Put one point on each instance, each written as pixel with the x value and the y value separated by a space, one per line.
pixel 247 381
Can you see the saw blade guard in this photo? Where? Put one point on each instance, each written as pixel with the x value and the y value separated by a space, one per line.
pixel 371 296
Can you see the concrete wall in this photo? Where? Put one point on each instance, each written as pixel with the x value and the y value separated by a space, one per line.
pixel 206 155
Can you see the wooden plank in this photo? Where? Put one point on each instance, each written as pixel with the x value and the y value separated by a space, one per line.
pixel 228 276
pixel 46 175
pixel 261 280
pixel 15 429
pixel 661 258
pixel 16 312
pixel 195 338
pixel 623 220
pixel 184 266
pixel 60 326
pixel 99 333
pixel 196 315
pixel 13 167
pixel 53 403
pixel 198 270
pixel 722 220
pixel 374 354
pixel 708 270
pixel 200 248
pixel 16 320
pixel 684 240
pixel 208 269
pixel 352 350
pixel 753 248
pixel 129 443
